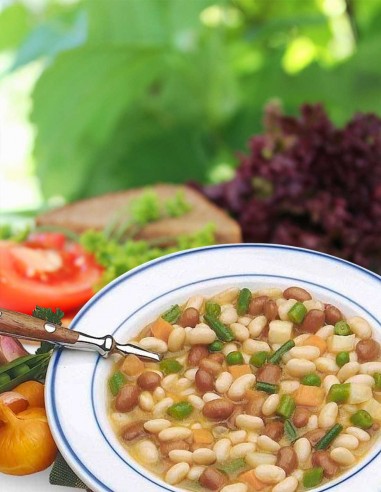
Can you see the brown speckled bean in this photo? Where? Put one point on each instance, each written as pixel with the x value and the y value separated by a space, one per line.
pixel 297 293
pixel 196 354
pixel 313 321
pixel 274 430
pixel 134 430
pixel 166 447
pixel 270 310
pixel 219 409
pixel 211 366
pixel 218 357
pixel 269 373
pixel 149 380
pixel 127 398
pixel 322 459
pixel 257 305
pixel 300 417
pixel 190 317
pixel 287 459
pixel 204 381
pixel 332 314
pixel 367 350
pixel 212 479
pixel 314 436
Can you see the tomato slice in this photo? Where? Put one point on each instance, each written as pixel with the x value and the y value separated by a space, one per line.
pixel 48 271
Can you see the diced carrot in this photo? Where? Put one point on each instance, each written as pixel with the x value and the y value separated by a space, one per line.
pixel 251 480
pixel 253 394
pixel 161 329
pixel 310 396
pixel 132 365
pixel 239 370
pixel 316 341
pixel 202 436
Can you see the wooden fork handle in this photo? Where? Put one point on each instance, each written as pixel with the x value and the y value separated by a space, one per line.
pixel 21 325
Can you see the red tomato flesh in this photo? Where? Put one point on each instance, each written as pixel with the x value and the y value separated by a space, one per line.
pixel 48 271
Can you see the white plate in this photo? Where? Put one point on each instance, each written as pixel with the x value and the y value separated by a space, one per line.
pixel 76 382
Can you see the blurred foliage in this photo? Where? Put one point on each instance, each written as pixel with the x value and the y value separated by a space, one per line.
pixel 139 91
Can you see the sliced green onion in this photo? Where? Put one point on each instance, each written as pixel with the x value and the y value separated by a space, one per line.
pixel 180 410
pixel 116 382
pixel 222 331
pixel 329 437
pixel 342 328
pixel 290 431
pixel 258 359
pixel 267 387
pixel 243 302
pixel 286 406
pixel 233 466
pixel 311 380
pixel 213 309
pixel 170 366
pixel 377 380
pixel 277 356
pixel 297 313
pixel 342 358
pixel 173 314
pixel 339 393
pixel 234 358
pixel 312 477
pixel 216 346
pixel 362 419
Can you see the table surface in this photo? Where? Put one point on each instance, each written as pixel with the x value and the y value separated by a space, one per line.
pixel 38 482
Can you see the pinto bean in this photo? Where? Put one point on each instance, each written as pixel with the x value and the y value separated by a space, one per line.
pixel 332 314
pixel 196 354
pixel 167 446
pixel 204 381
pixel 313 321
pixel 274 430
pixel 212 479
pixel 218 357
pixel 134 430
pixel 127 398
pixel 257 305
pixel 190 317
pixel 211 366
pixel 297 293
pixel 269 373
pixel 314 436
pixel 367 350
pixel 323 460
pixel 149 380
pixel 255 403
pixel 287 459
pixel 300 417
pixel 219 409
pixel 270 310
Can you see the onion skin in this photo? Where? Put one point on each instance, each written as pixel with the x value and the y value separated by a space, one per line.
pixel 26 444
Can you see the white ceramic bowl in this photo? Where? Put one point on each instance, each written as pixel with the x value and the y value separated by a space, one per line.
pixel 76 382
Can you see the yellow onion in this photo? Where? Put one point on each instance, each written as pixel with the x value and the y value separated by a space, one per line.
pixel 26 444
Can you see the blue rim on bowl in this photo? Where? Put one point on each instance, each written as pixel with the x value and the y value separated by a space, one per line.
pixel 59 425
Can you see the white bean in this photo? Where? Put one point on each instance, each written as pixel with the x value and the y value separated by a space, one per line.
pixel 204 456
pixel 342 456
pixel 300 367
pixel 169 381
pixel 348 370
pixel 147 451
pixel 280 331
pixel 353 357
pixel 328 414
pixel 361 435
pixel 245 320
pixel 252 437
pixel 183 384
pixel 210 397
pixel 219 431
pixel 241 450
pixel 255 459
pixel 158 394
pixel 238 436
pixel 241 333
pixel 360 327
pixel 370 368
pixel 240 386
pixel 284 307
pixel 268 444
pixel 160 408
pixel 177 473
pixel 195 302
pixel 270 474
pixel 347 441
pixel 252 346
pixel 226 296
pixel 180 455
pixel 196 401
pixel 223 382
pixel 312 304
pixel 257 325
pixel 288 386
pixel 326 365
pixel 312 423
pixel 191 373
pixel 289 484
pixel 176 339
pixel 235 487
pixel 195 472
pixel 222 449
pixel 146 402
pixel 154 344
pixel 301 338
pixel 362 379
pixel 249 422
pixel 308 352
pixel 174 434
pixel 229 316
pixel 272 292
pixel 196 426
pixel 229 347
pixel 329 381
pixel 302 448
pixel 201 335
pixel 270 405
pixel 157 425
pixel 325 332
